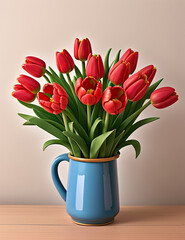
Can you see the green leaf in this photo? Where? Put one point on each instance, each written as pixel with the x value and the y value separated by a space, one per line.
pixel 117 57
pixel 95 111
pixel 97 143
pixel 27 123
pixel 109 143
pixel 118 120
pixel 106 67
pixel 45 126
pixel 77 72
pixel 54 74
pixel 116 142
pixel 93 128
pixel 79 141
pixel 39 111
pixel 134 143
pixel 132 118
pixel 56 141
pixel 77 126
pixel 138 125
pixel 57 125
pixel 70 124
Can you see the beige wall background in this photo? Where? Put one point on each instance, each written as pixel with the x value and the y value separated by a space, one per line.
pixel 155 28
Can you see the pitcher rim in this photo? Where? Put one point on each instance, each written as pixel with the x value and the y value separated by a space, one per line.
pixel 108 159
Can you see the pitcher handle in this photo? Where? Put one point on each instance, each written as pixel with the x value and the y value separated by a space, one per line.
pixel 54 173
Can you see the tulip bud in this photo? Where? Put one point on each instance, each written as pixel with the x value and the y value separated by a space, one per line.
pixel 65 63
pixel 58 100
pixel 119 72
pixel 114 100
pixel 23 94
pixel 89 91
pixel 137 85
pixel 82 49
pixel 130 57
pixel 27 89
pixel 95 66
pixel 163 97
pixel 34 66
pixel 29 83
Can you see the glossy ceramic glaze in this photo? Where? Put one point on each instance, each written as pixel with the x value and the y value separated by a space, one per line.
pixel 92 192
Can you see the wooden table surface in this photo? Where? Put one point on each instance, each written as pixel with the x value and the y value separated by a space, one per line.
pixel 33 222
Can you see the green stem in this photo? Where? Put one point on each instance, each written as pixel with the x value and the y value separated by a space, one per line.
pixel 46 78
pixel 105 128
pixel 65 121
pixel 89 117
pixel 83 69
pixel 107 117
pixel 71 85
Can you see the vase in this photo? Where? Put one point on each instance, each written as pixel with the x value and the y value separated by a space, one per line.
pixel 92 196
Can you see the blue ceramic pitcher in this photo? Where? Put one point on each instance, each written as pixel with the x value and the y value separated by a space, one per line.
pixel 92 196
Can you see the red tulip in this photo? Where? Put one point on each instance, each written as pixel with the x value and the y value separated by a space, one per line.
pixel 82 49
pixel 23 94
pixel 29 83
pixel 34 66
pixel 119 72
pixel 89 91
pixel 114 100
pixel 95 66
pixel 65 63
pixel 58 100
pixel 27 89
pixel 163 97
pixel 130 57
pixel 137 85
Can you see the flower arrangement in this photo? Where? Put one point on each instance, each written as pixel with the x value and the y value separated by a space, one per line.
pixel 94 113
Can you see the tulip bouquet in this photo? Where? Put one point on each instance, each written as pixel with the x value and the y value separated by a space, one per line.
pixel 94 113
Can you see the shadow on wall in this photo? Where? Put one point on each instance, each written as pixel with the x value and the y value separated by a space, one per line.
pixel 157 176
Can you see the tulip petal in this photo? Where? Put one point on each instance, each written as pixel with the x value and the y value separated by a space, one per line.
pixel 55 106
pixel 92 68
pixel 84 49
pixel 88 99
pixel 48 88
pixel 69 58
pixel 117 74
pixel 78 84
pixel 147 70
pixel 35 60
pixel 63 102
pixel 81 93
pixel 34 70
pixel 89 83
pixel 126 55
pixel 166 103
pixel 132 59
pixel 24 95
pixel 60 89
pixel 98 91
pixel 106 95
pixel 100 67
pixel 18 87
pixel 161 94
pixel 129 81
pixel 135 88
pixel 29 83
pixel 76 46
pixel 64 64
